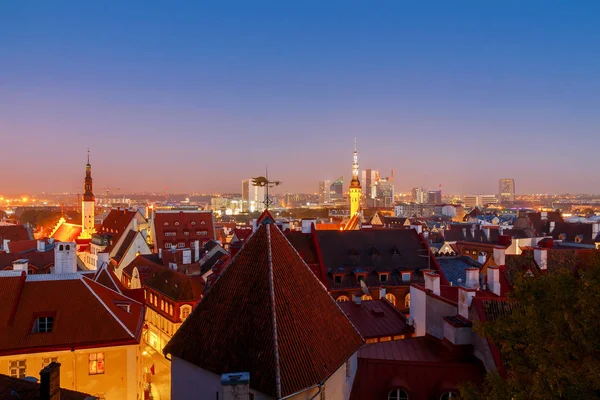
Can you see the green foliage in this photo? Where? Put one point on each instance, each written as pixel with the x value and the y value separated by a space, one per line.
pixel 550 345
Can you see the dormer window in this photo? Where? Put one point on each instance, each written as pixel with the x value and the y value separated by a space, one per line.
pixel 43 325
pixel 168 245
pixel 384 277
pixel 176 223
pixel 125 306
pixel 202 222
pixel 193 223
pixel 406 276
pixel 166 224
pixel 181 245
pixel 337 279
pixel 361 277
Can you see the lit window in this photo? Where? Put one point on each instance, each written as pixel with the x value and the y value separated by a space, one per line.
pixel 398 394
pixel 391 298
pixel 185 312
pixel 341 299
pixel 17 369
pixel 96 363
pixel 162 305
pixel 176 223
pixel 366 297
pixel 193 222
pixel 406 277
pixel 202 222
pixel 48 360
pixel 43 325
pixel 170 309
pixel 449 396
pixel 166 224
pixel 407 301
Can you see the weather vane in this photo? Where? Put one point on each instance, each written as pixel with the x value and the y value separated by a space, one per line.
pixel 263 181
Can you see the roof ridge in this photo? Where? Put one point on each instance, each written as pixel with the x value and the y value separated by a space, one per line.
pixel 274 314
pixel 105 306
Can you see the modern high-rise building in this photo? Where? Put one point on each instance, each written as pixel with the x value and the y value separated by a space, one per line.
pixel 325 192
pixel 479 200
pixel 434 197
pixel 419 195
pixel 253 197
pixel 384 193
pixel 506 190
pixel 337 190
pixel 370 177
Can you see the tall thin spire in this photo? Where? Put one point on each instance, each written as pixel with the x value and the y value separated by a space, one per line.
pixel 89 155
pixel 355 182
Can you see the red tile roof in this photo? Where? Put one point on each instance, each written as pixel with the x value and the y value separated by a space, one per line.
pixel 424 367
pixel 20 389
pixel 116 223
pixel 20 246
pixel 67 232
pixel 13 232
pixel 86 314
pixel 267 314
pixel 376 318
pixel 242 234
pixel 41 261
pixel 199 225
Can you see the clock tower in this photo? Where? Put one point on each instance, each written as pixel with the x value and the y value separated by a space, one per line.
pixel 355 189
pixel 87 204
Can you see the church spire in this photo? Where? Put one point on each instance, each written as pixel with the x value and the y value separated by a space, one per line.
pixel 355 189
pixel 88 195
pixel 355 182
pixel 87 203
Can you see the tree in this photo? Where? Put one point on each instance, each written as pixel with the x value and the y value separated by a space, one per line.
pixel 550 344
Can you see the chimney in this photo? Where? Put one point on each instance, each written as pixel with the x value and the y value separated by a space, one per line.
pixel 357 298
pixel 486 232
pixel 595 229
pixel 65 257
pixel 41 245
pixel 472 277
pixel 103 258
pixel 160 253
pixel 382 292
pixel 482 258
pixel 500 256
pixel 236 386
pixel 196 251
pixel 50 382
pixel 432 282
pixel 541 257
pixel 500 230
pixel 493 280
pixel 21 265
pixel 464 232
pixel 544 215
pixel 552 226
pixel 465 297
pixel 5 243
pixel 135 224
pixel 306 225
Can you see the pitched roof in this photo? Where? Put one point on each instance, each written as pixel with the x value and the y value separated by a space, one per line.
pixel 124 245
pixel 14 232
pixel 376 318
pixel 20 389
pixel 268 314
pixel 199 225
pixel 37 259
pixel 116 222
pixel 67 232
pixel 455 268
pixel 86 314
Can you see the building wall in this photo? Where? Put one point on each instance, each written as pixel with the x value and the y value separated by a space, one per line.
pixel 87 219
pixel 139 245
pixel 191 382
pixel 122 379
pixel 436 310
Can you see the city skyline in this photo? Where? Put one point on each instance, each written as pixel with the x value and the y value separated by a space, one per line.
pixel 494 90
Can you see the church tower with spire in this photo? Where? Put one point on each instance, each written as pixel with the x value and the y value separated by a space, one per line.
pixel 87 204
pixel 355 189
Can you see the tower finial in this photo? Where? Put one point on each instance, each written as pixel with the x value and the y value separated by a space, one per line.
pixel 88 155
pixel 354 143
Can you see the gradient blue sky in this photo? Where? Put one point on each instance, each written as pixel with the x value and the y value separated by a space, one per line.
pixel 197 95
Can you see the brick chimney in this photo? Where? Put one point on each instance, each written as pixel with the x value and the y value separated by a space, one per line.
pixel 432 282
pixel 50 382
pixel 236 386
pixel 493 280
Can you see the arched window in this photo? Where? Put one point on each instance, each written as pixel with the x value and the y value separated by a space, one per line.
pixel 68 247
pixel 407 301
pixel 391 298
pixel 185 312
pixel 398 394
pixel 449 396
pixel 61 247
pixel 341 299
pixel 366 297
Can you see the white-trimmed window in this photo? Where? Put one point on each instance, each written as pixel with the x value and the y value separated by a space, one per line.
pixel 167 245
pixel 17 368
pixel 43 325
pixel 96 364
pixel 383 278
pixel 398 394
pixel 406 277
pixel 181 245
pixel 449 396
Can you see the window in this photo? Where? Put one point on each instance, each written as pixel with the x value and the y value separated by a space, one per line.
pixel 177 223
pixel 170 309
pixel 185 312
pixel 407 301
pixel 162 305
pixel 68 247
pixel 449 396
pixel 181 245
pixel 201 233
pixel 17 369
pixel 166 224
pixel 366 297
pixel 167 245
pixel 193 222
pixel 48 360
pixel 383 278
pixel 391 298
pixel 360 278
pixel 43 325
pixel 341 299
pixel 406 277
pixel 96 363
pixel 398 394
pixel 337 279
pixel 186 233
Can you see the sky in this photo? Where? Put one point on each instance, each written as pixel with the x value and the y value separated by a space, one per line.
pixel 194 96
